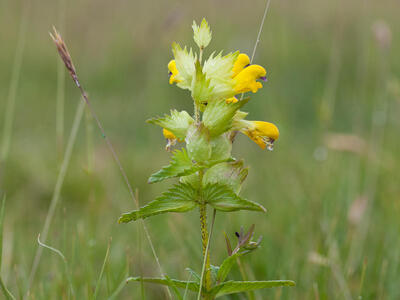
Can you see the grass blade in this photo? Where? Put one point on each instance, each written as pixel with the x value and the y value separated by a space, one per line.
pixel 16 71
pixel 96 291
pixel 57 190
pixel 6 292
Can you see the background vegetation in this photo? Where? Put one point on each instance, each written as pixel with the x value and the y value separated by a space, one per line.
pixel 331 186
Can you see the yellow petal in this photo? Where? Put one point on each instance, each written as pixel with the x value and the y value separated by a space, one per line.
pixel 231 100
pixel 246 79
pixel 242 61
pixel 173 72
pixel 168 134
pixel 262 133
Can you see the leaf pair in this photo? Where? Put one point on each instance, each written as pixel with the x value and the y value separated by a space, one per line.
pixel 183 197
pixel 225 288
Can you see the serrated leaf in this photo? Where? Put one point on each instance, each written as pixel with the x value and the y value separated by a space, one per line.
pixel 178 123
pixel 202 34
pixel 221 197
pixel 192 285
pixel 180 198
pixel 233 287
pixel 220 67
pixel 181 165
pixel 202 90
pixel 218 115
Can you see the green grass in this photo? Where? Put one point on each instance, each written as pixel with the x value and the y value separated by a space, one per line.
pixel 307 187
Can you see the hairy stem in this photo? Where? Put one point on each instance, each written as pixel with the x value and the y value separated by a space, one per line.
pixel 204 241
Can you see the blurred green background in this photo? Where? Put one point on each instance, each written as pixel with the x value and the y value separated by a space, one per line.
pixel 331 185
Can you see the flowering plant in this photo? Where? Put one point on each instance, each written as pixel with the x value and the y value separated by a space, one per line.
pixel 208 174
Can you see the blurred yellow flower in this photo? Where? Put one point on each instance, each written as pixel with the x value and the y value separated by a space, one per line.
pixel 168 134
pixel 231 100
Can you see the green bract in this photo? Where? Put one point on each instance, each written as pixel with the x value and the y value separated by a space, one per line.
pixel 178 123
pixel 202 34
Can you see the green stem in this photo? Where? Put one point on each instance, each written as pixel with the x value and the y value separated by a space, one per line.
pixel 204 240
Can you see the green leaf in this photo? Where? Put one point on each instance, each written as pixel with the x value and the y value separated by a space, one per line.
pixel 233 287
pixel 202 34
pixel 191 285
pixel 227 265
pixel 180 198
pixel 181 165
pixel 194 274
pixel 178 123
pixel 221 197
pixel 218 115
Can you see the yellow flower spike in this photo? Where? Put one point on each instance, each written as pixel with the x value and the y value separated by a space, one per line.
pixel 246 79
pixel 241 62
pixel 173 72
pixel 231 100
pixel 262 133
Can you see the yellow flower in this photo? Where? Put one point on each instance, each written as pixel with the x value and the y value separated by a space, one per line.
pixel 246 79
pixel 231 100
pixel 168 134
pixel 241 62
pixel 171 139
pixel 173 72
pixel 262 133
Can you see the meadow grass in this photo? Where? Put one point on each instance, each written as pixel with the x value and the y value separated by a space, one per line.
pixel 332 223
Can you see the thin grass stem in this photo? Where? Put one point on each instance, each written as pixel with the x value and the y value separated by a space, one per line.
pixel 97 289
pixel 57 190
pixel 260 29
pixel 6 292
pixel 59 253
pixel 9 113
pixel 60 99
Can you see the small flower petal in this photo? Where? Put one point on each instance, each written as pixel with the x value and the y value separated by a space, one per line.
pixel 241 62
pixel 246 79
pixel 262 133
pixel 173 72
